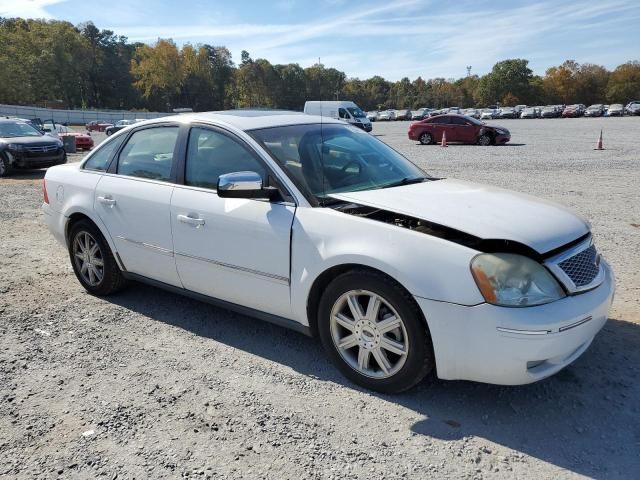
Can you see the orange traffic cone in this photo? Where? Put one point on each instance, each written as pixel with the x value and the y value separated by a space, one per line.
pixel 444 140
pixel 599 145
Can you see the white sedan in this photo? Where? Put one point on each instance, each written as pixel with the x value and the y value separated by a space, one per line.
pixel 315 225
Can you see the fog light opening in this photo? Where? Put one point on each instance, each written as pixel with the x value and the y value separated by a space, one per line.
pixel 534 364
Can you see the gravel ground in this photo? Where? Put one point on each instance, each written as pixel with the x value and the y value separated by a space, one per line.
pixel 148 384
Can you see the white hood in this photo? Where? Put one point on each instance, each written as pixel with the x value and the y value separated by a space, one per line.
pixel 479 210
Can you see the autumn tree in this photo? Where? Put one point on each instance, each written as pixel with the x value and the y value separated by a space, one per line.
pixel 158 73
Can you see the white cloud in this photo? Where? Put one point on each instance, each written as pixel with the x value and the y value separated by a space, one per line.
pixel 27 8
pixel 394 38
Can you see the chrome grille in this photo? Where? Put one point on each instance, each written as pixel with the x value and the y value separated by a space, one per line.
pixel 583 267
pixel 42 148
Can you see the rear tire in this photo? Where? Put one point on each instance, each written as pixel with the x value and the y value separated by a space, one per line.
pixel 385 345
pixel 426 138
pixel 92 260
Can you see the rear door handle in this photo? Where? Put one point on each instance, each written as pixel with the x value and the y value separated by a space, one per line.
pixel 191 220
pixel 107 200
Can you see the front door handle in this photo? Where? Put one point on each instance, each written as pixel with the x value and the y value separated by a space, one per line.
pixel 107 200
pixel 191 220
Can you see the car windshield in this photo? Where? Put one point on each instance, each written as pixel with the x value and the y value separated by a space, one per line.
pixel 17 129
pixel 327 158
pixel 475 121
pixel 356 112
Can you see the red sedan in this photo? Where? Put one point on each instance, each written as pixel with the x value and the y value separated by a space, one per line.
pixel 459 129
pixel 98 126
pixel 83 140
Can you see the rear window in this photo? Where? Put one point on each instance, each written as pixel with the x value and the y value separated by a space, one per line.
pixel 149 153
pixel 99 160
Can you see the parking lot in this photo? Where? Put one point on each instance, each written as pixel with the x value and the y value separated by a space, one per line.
pixel 148 384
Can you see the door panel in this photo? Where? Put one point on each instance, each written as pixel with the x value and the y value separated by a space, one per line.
pixel 136 214
pixel 233 249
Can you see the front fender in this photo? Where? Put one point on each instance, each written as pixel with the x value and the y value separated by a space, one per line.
pixel 427 266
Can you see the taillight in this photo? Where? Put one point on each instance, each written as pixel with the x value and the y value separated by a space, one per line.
pixel 44 192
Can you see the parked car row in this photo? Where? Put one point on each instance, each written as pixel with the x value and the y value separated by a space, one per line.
pixel 519 111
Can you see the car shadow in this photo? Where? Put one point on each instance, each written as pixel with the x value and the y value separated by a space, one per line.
pixel 585 419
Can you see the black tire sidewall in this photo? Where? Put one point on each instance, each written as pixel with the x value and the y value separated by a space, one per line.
pixel 7 165
pixel 420 360
pixel 112 279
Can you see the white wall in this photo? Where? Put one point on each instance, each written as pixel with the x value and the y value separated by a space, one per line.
pixel 75 116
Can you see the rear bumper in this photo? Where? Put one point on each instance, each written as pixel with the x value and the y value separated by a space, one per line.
pixel 56 222
pixel 469 345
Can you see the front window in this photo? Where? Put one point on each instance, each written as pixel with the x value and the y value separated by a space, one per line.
pixel 328 159
pixel 211 154
pixel 17 129
pixel 356 112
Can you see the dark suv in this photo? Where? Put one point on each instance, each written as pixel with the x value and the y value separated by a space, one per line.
pixel 23 146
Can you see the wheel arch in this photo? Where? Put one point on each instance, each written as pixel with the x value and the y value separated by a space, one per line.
pixel 79 215
pixel 327 276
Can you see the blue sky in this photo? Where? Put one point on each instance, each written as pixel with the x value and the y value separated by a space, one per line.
pixel 393 38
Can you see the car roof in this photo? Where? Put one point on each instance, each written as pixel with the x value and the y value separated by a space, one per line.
pixel 13 120
pixel 249 119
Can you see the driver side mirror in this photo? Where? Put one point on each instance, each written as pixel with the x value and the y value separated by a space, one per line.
pixel 244 185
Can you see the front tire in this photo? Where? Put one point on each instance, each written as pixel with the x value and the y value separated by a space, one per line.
pixel 92 260
pixel 5 166
pixel 484 140
pixel 426 138
pixel 374 332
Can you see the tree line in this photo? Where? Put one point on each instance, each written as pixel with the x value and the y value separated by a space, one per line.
pixel 54 62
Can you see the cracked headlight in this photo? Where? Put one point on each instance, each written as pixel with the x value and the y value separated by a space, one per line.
pixel 512 280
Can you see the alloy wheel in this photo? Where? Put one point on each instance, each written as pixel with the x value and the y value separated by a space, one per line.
pixel 485 140
pixel 369 334
pixel 89 259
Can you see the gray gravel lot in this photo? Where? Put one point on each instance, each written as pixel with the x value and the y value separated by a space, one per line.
pixel 148 384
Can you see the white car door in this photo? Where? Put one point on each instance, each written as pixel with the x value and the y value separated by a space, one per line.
pixel 133 201
pixel 231 249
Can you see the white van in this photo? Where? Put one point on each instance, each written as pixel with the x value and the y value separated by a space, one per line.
pixel 343 110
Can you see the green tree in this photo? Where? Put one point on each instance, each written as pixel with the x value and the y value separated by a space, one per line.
pixel 624 83
pixel 511 76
